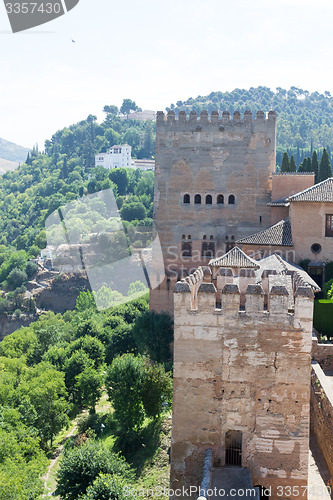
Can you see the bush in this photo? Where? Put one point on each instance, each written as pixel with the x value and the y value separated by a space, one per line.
pixel 326 288
pixel 94 422
pixel 81 466
pixel 17 277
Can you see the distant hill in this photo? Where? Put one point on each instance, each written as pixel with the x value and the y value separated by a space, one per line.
pixel 12 152
pixel 7 165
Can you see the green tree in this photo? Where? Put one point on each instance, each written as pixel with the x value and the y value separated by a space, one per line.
pixel 85 301
pixel 120 177
pixel 76 364
pixel 285 167
pixel 315 165
pixel 89 383
pixel 325 170
pixel 128 106
pixel 111 110
pixel 81 466
pixel 124 386
pixel 45 387
pixel 292 165
pixel 153 333
pixel 156 390
pixel 132 210
pixel 91 346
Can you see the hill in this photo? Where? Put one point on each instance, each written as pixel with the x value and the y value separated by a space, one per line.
pixel 12 152
pixel 7 165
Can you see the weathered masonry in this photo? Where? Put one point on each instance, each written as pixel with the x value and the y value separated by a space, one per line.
pixel 213 183
pixel 242 354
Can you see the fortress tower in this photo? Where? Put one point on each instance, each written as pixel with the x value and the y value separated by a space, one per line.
pixel 242 355
pixel 212 186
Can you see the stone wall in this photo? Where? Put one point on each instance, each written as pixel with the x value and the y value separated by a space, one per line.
pixel 322 420
pixel 241 370
pixel 322 353
pixel 209 157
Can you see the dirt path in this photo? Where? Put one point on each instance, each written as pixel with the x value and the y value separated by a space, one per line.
pixel 54 460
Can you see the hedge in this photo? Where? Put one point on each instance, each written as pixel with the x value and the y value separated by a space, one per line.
pixel 323 317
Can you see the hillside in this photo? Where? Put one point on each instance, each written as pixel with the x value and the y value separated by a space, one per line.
pixel 12 152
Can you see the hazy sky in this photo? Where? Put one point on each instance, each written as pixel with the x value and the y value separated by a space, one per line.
pixel 156 52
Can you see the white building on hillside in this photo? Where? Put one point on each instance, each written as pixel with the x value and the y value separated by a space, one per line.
pixel 116 157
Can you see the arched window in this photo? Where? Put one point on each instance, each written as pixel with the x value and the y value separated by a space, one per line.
pixel 189 237
pixel 209 199
pixel 187 198
pixel 231 200
pixel 204 237
pixel 220 199
pixel 183 237
pixel 211 237
pixel 197 199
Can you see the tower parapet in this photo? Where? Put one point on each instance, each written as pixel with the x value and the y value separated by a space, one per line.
pixel 215 118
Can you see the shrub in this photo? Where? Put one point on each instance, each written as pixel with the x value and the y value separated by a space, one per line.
pixel 81 466
pixel 107 487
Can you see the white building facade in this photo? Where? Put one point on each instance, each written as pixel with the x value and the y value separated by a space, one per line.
pixel 116 157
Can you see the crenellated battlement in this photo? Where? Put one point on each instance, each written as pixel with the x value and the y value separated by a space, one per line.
pixel 280 294
pixel 223 119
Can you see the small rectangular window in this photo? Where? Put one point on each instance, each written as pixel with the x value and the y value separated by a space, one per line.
pixel 187 249
pixel 329 225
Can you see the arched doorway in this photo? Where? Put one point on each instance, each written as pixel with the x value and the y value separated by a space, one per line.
pixel 233 448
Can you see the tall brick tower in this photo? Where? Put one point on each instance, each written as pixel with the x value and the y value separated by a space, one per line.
pixel 212 186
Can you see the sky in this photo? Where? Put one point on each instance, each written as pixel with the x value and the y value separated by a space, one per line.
pixel 155 53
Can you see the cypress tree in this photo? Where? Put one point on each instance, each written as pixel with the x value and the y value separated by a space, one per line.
pixel 308 164
pixel 285 163
pixel 325 170
pixel 292 165
pixel 315 165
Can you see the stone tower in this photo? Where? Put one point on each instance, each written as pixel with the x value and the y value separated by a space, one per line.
pixel 242 355
pixel 212 186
